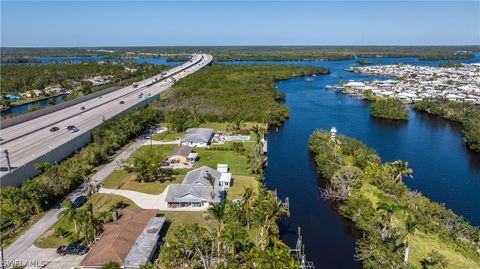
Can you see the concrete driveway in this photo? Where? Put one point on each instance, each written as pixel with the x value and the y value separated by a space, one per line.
pixel 149 201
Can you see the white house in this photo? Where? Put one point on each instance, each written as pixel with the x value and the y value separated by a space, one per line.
pixel 197 137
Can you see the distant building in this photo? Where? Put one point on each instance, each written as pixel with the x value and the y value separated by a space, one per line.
pixel 197 137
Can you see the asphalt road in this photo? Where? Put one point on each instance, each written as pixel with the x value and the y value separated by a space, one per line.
pixel 29 140
pixel 24 250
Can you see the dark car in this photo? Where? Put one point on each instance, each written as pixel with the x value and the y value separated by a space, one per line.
pixel 72 128
pixel 72 249
pixel 79 201
pixel 82 108
pixel 54 129
pixel 122 102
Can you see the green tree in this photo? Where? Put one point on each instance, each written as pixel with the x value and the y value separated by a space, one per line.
pixel 400 170
pixel 406 236
pixel 70 213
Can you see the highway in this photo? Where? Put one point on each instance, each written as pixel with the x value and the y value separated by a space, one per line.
pixel 29 140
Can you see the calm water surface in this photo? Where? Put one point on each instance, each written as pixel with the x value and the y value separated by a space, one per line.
pixel 444 169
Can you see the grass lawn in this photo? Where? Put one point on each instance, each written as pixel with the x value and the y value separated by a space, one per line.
pixel 422 244
pixel 239 184
pixel 160 149
pixel 181 218
pixel 101 202
pixel 237 163
pixel 167 136
pixel 121 179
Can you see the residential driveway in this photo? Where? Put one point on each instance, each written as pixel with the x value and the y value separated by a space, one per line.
pixel 35 257
pixel 149 201
pixel 155 142
pixel 24 250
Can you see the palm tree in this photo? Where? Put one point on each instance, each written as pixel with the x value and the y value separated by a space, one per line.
pixel 400 170
pixel 211 180
pixel 89 188
pixel 258 131
pixel 406 236
pixel 70 213
pixel 388 209
pixel 248 200
pixel 217 211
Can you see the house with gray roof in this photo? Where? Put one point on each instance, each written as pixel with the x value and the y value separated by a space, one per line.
pixel 186 195
pixel 197 137
pixel 196 190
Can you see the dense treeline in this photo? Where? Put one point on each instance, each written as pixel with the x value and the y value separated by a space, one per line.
pixel 245 235
pixel 467 114
pixel 222 53
pixel 235 93
pixel 401 228
pixel 19 204
pixel 24 78
pixel 389 108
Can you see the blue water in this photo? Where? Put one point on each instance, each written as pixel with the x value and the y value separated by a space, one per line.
pixel 444 169
pixel 17 110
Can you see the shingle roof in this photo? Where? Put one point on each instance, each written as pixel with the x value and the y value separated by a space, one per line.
pixel 198 176
pixel 197 135
pixel 180 151
pixel 185 193
pixel 118 237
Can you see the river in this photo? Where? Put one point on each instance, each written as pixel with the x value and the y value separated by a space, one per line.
pixel 444 169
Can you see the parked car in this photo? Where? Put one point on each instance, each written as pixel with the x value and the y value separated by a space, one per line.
pixel 54 129
pixel 122 102
pixel 72 249
pixel 79 201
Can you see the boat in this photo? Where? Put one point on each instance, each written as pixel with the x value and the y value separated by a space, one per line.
pixel 309 79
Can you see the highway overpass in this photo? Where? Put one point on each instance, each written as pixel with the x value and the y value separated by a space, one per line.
pixel 32 142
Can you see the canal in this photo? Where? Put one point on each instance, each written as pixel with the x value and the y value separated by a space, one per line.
pixel 444 169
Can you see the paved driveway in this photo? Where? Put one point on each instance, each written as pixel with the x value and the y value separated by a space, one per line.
pixel 149 201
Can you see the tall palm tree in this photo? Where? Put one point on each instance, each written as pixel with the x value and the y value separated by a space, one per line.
pixel 89 189
pixel 406 236
pixel 211 180
pixel 248 200
pixel 387 209
pixel 217 211
pixel 400 170
pixel 70 213
pixel 258 131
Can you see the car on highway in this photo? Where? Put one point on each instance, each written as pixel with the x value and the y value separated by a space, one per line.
pixel 122 102
pixel 140 95
pixel 79 201
pixel 72 128
pixel 54 129
pixel 82 108
pixel 72 249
